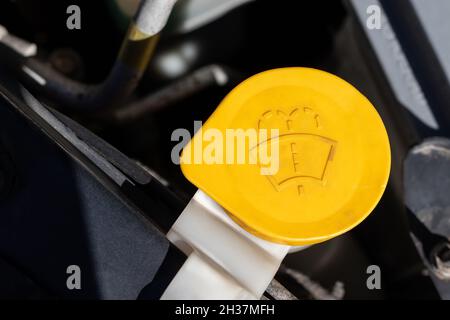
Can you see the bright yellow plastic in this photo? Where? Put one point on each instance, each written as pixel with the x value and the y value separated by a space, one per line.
pixel 334 157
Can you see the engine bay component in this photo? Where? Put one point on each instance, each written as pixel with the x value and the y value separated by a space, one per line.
pixel 132 61
pixel 188 15
pixel 22 47
pixel 99 98
pixel 199 80
pixel 426 195
pixel 259 224
pixel 342 175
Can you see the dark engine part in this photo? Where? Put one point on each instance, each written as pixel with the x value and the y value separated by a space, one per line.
pixel 55 210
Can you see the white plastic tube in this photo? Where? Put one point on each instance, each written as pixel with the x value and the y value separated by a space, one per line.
pixel 225 261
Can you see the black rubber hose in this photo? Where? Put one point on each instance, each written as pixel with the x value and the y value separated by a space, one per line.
pixel 69 94
pixel 126 73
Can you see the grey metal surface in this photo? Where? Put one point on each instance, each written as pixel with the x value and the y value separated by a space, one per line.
pixel 394 63
pixel 427 187
pixel 279 292
pixel 427 183
pixel 434 16
pixel 152 15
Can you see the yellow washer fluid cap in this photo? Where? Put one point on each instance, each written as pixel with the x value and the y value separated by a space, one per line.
pixel 295 155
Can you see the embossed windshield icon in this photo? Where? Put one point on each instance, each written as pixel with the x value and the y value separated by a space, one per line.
pixel 304 155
